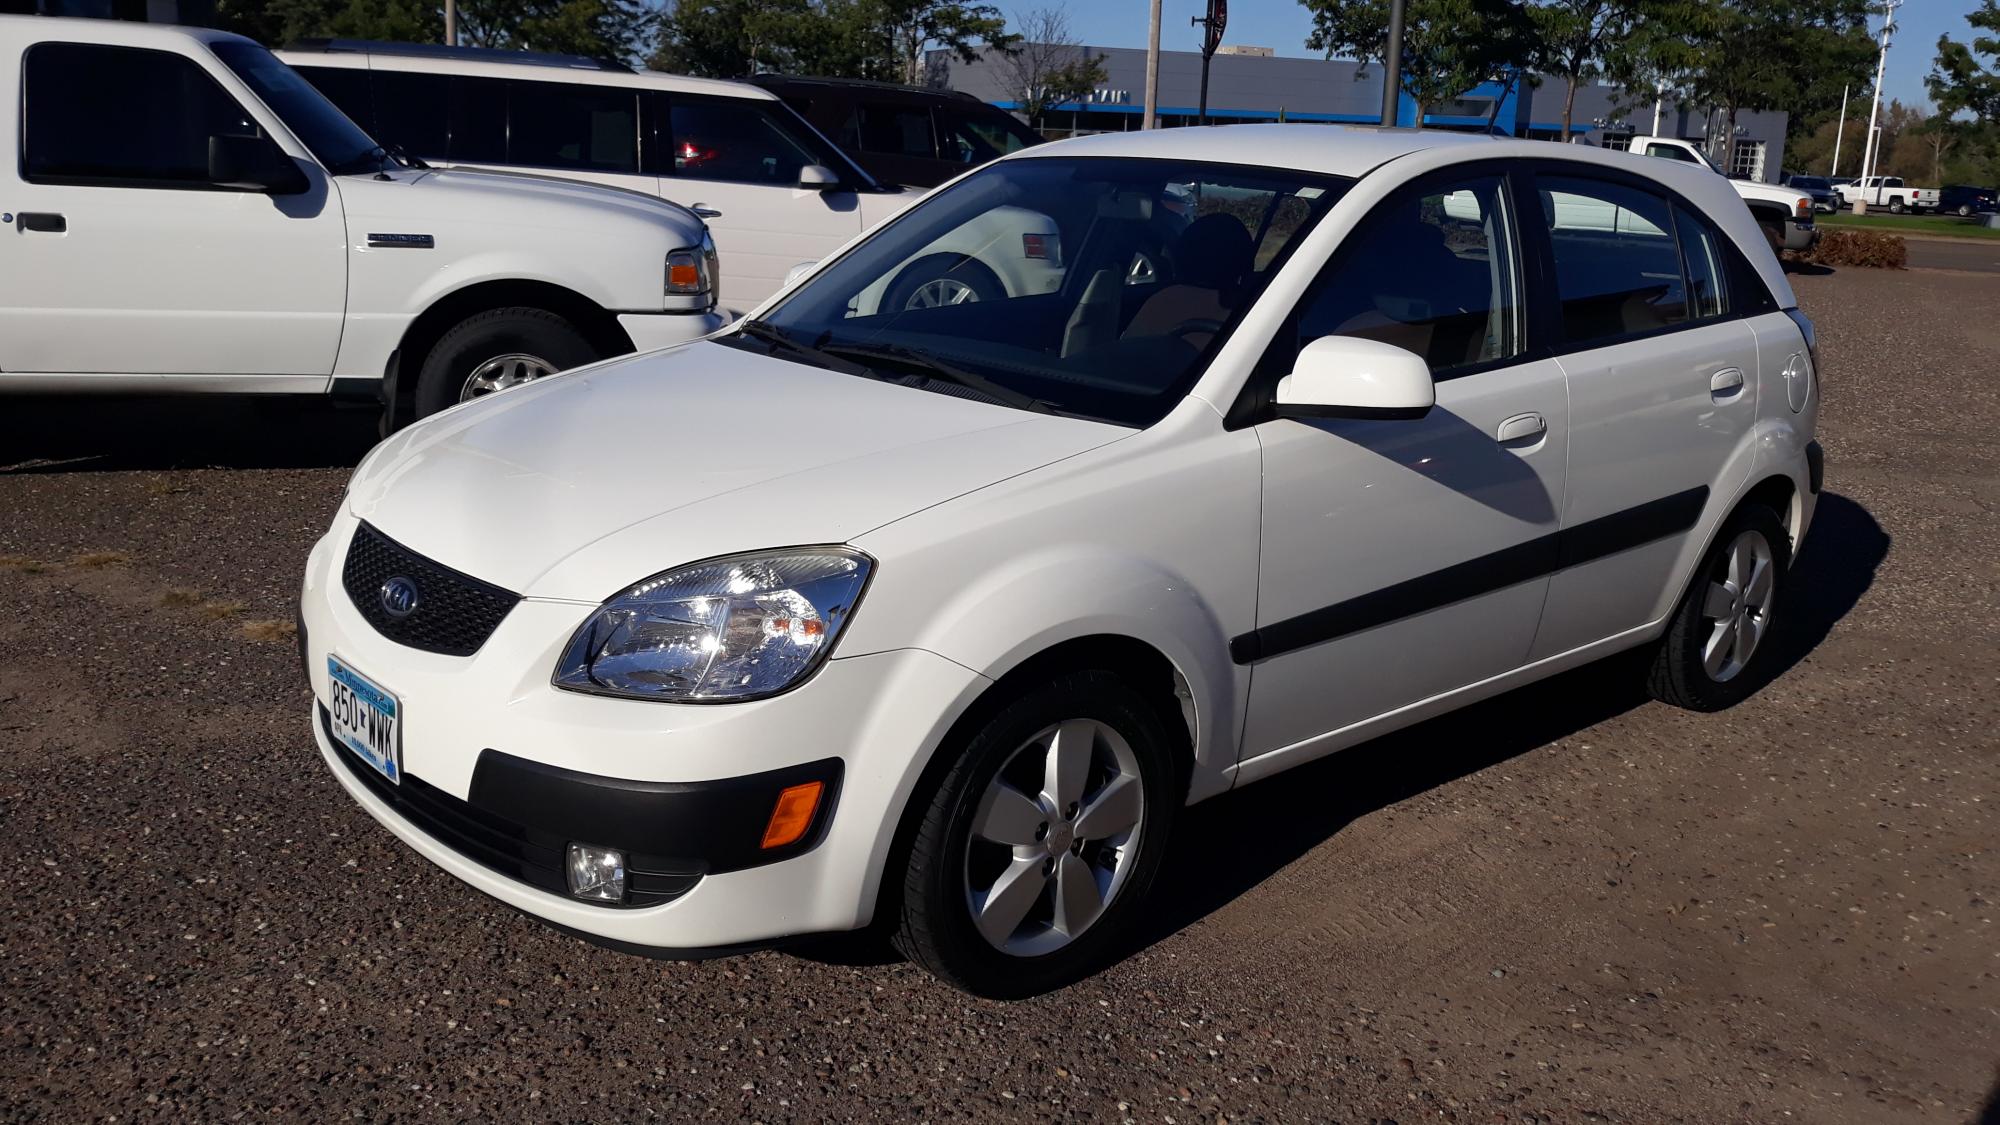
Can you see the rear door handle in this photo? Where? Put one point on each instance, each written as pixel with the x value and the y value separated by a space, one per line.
pixel 1726 383
pixel 1521 427
pixel 47 221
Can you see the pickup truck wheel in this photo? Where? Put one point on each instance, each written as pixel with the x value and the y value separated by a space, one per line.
pixel 495 350
pixel 1896 206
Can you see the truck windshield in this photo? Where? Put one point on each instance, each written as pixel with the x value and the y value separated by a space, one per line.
pixel 1086 286
pixel 329 134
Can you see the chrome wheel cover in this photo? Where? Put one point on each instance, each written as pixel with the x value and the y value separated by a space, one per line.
pixel 941 291
pixel 502 372
pixel 1737 606
pixel 1054 837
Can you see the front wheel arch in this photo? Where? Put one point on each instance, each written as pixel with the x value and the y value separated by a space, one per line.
pixel 399 390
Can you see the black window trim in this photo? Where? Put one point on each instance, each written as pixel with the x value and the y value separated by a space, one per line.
pixel 788 120
pixel 136 183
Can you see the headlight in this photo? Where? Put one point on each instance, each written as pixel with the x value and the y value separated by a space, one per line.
pixel 693 270
pixel 727 629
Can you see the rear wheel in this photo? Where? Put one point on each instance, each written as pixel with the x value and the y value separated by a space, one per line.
pixel 1896 206
pixel 497 350
pixel 1718 644
pixel 1038 847
pixel 1964 209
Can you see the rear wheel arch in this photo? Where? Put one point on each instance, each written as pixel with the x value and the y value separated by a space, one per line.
pixel 1779 493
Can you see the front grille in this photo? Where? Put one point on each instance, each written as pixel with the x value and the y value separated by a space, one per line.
pixel 519 851
pixel 454 612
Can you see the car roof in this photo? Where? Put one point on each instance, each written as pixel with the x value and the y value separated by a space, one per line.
pixel 119 33
pixel 897 89
pixel 360 56
pixel 1336 150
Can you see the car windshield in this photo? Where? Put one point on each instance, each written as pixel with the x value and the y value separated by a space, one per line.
pixel 329 134
pixel 1087 286
pixel 1810 183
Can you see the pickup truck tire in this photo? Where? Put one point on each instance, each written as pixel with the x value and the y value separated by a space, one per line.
pixel 538 336
pixel 1896 205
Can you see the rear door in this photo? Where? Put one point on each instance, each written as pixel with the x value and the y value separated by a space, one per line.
pixel 1662 374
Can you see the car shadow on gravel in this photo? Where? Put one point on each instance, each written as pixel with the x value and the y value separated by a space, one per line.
pixel 98 433
pixel 1270 825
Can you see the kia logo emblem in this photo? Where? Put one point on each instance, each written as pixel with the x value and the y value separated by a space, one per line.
pixel 400 596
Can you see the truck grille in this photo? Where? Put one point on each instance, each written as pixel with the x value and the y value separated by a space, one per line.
pixel 452 613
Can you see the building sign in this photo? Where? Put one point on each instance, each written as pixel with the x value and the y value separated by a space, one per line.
pixel 1109 97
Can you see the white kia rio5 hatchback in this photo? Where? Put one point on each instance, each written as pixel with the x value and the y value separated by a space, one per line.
pixel 940 615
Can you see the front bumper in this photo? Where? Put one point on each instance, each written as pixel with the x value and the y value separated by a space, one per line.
pixel 1801 234
pixel 652 331
pixel 502 770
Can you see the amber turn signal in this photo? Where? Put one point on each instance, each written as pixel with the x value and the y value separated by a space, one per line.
pixel 793 814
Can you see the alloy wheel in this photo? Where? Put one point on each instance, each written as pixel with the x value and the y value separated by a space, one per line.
pixel 502 372
pixel 1737 607
pixel 941 291
pixel 1054 837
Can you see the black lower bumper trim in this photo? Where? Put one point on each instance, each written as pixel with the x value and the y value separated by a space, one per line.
pixel 1815 467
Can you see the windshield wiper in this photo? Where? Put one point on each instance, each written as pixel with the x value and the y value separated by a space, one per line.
pixel 771 334
pixel 940 371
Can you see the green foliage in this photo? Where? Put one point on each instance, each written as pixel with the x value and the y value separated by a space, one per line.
pixel 610 29
pixel 880 39
pixel 1958 81
pixel 1449 46
pixel 1572 37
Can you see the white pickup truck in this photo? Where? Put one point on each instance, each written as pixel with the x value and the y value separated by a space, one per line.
pixel 1785 214
pixel 1890 192
pixel 187 214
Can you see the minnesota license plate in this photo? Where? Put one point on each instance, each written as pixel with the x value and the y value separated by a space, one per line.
pixel 367 719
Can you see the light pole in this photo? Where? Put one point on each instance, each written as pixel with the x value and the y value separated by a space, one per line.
pixel 1152 119
pixel 1838 133
pixel 451 23
pixel 1392 67
pixel 1875 106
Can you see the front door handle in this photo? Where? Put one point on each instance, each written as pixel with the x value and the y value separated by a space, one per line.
pixel 1521 427
pixel 1726 383
pixel 704 211
pixel 46 221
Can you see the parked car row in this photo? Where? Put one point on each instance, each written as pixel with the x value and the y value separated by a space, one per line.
pixel 1784 214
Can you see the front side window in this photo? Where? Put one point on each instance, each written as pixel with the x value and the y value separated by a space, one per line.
pixel 968 139
pixel 1618 267
pixel 121 114
pixel 341 145
pixel 1434 272
pixel 1701 253
pixel 1016 285
pixel 741 140
pixel 588 128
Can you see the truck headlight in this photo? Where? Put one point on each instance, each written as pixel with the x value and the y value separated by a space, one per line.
pixel 724 630
pixel 693 270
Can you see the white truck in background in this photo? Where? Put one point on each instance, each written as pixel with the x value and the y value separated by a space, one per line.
pixel 1785 214
pixel 1890 192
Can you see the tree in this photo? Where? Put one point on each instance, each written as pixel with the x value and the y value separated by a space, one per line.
pixel 879 39
pixel 1049 68
pixel 618 30
pixel 1958 82
pixel 1449 46
pixel 734 38
pixel 911 25
pixel 1571 37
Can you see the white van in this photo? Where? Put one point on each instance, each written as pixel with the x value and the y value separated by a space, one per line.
pixel 183 212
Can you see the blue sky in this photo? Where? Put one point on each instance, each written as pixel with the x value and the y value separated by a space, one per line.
pixel 1284 25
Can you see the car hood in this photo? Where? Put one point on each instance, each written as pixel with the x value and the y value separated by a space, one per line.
pixel 584 483
pixel 517 199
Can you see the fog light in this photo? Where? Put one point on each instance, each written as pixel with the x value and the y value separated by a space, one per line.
pixel 597 874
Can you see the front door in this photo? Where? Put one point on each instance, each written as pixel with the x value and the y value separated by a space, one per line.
pixel 1406 559
pixel 123 258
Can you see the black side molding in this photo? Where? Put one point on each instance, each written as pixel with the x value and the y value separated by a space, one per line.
pixel 1523 562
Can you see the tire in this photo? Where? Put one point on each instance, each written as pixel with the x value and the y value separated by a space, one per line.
pixel 1895 206
pixel 1686 671
pixel 1129 748
pixel 942 279
pixel 539 338
pixel 1964 210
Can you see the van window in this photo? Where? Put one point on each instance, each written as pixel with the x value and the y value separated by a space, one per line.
pixel 736 139
pixel 413 110
pixel 557 125
pixel 892 130
pixel 478 121
pixel 1618 267
pixel 346 87
pixel 110 114
pixel 1434 272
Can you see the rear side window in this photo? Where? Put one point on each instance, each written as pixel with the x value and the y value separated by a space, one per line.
pixel 557 125
pixel 1433 271
pixel 478 118
pixel 1618 266
pixel 1671 152
pixel 893 130
pixel 413 111
pixel 121 114
pixel 735 139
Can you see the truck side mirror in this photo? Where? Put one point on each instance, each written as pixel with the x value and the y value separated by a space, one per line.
pixel 250 163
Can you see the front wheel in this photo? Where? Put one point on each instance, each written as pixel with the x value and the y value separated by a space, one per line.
pixel 1039 845
pixel 497 350
pixel 1718 644
pixel 943 279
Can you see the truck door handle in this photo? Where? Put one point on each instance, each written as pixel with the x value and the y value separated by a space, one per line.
pixel 1726 383
pixel 47 221
pixel 704 211
pixel 1521 428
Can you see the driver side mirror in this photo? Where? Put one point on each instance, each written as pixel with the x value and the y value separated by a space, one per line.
pixel 249 163
pixel 818 177
pixel 1352 377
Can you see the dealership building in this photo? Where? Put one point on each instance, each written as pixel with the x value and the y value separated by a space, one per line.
pixel 1252 84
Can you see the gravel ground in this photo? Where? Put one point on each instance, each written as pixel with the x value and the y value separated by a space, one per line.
pixel 1563 905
